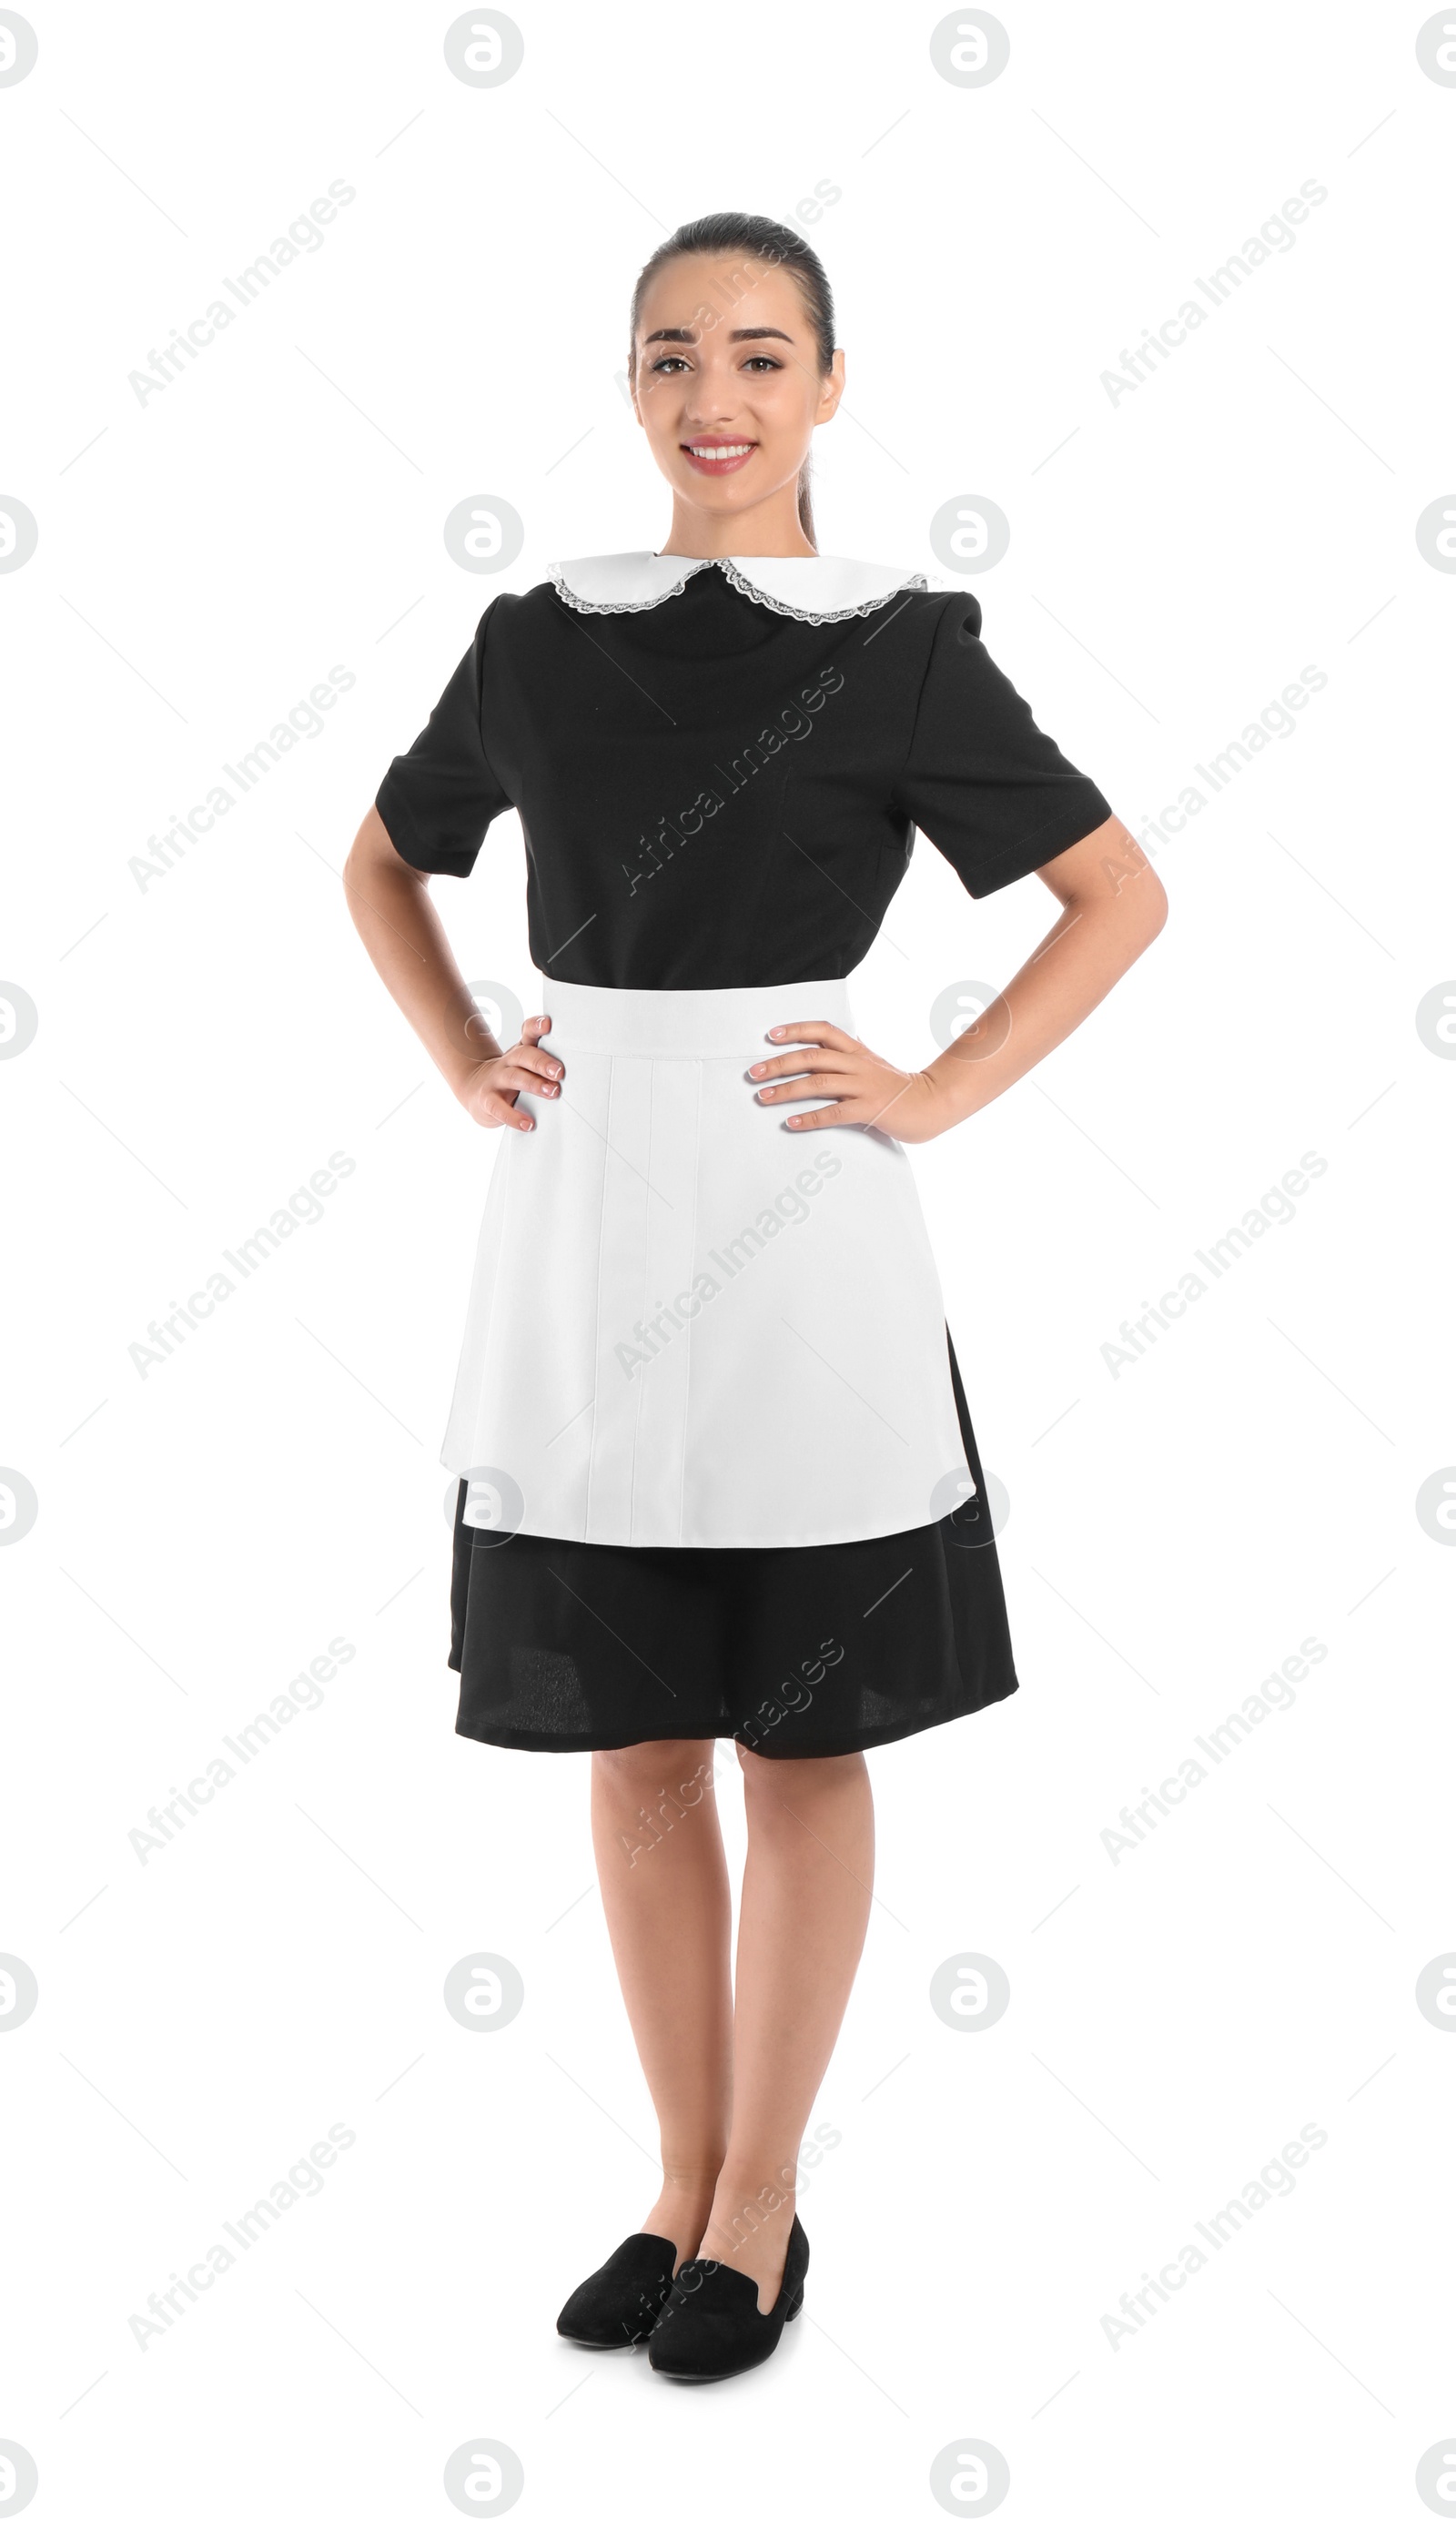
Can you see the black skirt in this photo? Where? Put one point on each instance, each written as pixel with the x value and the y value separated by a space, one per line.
pixel 809 1650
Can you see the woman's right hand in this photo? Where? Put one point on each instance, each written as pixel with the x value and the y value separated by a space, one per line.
pixel 390 904
pixel 491 1089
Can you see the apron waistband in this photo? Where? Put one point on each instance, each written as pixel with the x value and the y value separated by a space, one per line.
pixel 684 1027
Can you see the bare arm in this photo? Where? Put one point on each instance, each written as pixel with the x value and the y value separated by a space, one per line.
pixel 393 916
pixel 1113 906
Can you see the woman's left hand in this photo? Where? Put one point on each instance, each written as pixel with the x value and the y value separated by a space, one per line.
pixel 865 1088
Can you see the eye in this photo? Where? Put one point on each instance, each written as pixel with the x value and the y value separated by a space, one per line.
pixel 763 360
pixel 669 360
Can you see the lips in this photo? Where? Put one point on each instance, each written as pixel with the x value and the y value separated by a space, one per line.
pixel 717 455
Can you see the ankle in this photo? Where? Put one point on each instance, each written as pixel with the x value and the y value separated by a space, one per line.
pixel 681 2209
pixel 691 2186
pixel 747 2206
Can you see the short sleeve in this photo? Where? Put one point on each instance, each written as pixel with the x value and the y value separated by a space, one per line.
pixel 992 792
pixel 436 801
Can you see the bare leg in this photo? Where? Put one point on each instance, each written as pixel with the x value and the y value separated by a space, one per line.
pixel 665 1889
pixel 801 1928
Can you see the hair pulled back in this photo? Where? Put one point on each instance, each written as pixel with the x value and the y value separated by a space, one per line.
pixel 759 240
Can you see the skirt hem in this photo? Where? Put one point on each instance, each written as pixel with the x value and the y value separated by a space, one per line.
pixel 564 1647
pixel 540 1744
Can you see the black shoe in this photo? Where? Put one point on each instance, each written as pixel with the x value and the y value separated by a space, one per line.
pixel 620 2302
pixel 712 2326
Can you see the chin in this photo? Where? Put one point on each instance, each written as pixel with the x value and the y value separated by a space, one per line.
pixel 737 492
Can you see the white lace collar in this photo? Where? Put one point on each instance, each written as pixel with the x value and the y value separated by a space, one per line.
pixel 816 588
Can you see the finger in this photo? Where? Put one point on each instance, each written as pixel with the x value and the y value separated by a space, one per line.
pixel 812 1032
pixel 782 1065
pixel 510 1078
pixel 530 1058
pixel 530 1029
pixel 491 1109
pixel 815 1084
pixel 817 1116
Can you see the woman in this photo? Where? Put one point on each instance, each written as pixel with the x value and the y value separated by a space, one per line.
pixel 718 1478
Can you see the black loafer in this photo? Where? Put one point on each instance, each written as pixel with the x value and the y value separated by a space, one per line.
pixel 620 2304
pixel 712 2327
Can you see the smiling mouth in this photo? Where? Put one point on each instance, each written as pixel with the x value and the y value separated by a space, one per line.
pixel 717 455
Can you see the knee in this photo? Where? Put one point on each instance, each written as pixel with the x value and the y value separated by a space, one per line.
pixel 643 1792
pixel 780 1786
pixel 655 1766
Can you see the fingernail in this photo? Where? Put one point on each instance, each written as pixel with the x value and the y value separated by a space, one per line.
pixel 755 1068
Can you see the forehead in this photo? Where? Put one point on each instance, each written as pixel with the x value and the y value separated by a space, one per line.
pixel 708 292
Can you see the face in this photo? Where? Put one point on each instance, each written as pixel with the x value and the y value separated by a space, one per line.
pixel 727 384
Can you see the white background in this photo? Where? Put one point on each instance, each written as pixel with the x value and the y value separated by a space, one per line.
pixel 205 1042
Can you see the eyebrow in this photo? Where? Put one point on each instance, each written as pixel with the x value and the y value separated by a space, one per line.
pixel 740 333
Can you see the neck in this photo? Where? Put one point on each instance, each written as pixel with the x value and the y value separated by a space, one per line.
pixel 770 528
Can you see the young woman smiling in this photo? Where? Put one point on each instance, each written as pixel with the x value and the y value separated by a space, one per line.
pixel 767 1522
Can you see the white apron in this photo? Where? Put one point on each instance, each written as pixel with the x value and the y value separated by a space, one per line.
pixel 688 1325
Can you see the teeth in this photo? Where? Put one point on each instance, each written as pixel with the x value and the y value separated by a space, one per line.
pixel 739 448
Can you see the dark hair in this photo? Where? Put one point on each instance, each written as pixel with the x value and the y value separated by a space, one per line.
pixel 765 242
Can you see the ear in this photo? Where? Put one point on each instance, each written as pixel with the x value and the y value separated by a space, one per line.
pixel 831 390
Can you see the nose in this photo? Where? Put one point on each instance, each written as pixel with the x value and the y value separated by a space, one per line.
pixel 708 411
pixel 712 398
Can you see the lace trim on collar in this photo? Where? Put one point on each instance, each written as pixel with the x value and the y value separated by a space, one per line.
pixel 740 580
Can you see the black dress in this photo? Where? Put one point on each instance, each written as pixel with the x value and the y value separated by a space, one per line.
pixel 715 793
